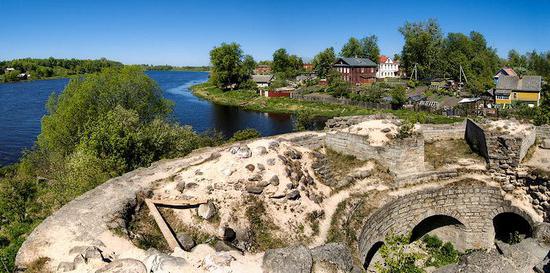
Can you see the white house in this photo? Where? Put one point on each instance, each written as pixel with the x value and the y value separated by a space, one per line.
pixel 387 68
pixel 262 80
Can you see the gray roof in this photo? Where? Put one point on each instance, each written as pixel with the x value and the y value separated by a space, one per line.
pixel 357 62
pixel 527 83
pixel 262 78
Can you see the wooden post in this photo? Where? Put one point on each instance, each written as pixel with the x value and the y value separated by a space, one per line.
pixel 161 223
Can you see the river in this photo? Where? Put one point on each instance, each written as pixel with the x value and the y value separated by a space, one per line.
pixel 22 106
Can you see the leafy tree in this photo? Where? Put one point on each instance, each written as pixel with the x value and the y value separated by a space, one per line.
pixel 353 48
pixel 422 46
pixel 285 65
pixel 229 66
pixel 398 95
pixel 370 48
pixel 323 62
pixel 338 87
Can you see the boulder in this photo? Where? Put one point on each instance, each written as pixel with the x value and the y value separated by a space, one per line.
pixel 221 246
pixel 287 260
pixel 241 151
pixel 293 195
pixel 254 189
pixel 207 211
pixel 543 267
pixel 123 266
pixel 545 144
pixel 250 167
pixel 274 180
pixel 180 186
pixel 273 145
pixel 260 150
pixel 158 262
pixel 186 241
pixel 261 167
pixel 336 254
pixel 271 161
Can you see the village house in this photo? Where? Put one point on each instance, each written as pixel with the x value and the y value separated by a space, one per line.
pixel 505 71
pixel 356 70
pixel 308 67
pixel 9 69
pixel 515 89
pixel 262 81
pixel 262 69
pixel 387 68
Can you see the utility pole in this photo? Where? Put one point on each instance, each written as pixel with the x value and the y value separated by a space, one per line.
pixel 415 73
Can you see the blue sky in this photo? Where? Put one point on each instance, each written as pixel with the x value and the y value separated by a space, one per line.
pixel 183 32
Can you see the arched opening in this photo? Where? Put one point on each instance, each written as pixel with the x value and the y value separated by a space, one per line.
pixel 445 227
pixel 371 253
pixel 511 227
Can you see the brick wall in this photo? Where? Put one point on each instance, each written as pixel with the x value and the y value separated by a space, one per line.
pixel 543 131
pixel 434 132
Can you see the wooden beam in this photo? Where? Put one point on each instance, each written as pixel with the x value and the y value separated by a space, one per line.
pixel 179 203
pixel 164 228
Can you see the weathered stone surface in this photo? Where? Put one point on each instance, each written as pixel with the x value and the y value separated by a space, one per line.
pixel 180 186
pixel 221 246
pixel 228 234
pixel 218 262
pixel 337 254
pixel 123 266
pixel 186 241
pixel 207 211
pixel 271 161
pixel 287 260
pixel 65 267
pixel 525 254
pixel 545 144
pixel 542 233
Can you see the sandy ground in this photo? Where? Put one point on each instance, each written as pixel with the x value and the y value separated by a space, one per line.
pixel 512 127
pixel 379 132
pixel 540 159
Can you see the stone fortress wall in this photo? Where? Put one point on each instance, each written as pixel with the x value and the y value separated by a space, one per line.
pixel 471 205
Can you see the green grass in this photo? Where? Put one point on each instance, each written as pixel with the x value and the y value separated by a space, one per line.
pixel 249 100
pixel 261 227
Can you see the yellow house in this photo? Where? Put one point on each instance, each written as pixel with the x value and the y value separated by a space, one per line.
pixel 511 89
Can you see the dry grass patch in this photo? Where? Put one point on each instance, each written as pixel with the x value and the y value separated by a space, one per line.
pixel 441 153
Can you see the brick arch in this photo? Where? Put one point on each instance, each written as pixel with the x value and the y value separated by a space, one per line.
pixel 472 203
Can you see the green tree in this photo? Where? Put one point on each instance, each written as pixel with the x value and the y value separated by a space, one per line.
pixel 230 67
pixel 422 46
pixel 398 95
pixel 353 48
pixel 248 133
pixel 323 62
pixel 285 65
pixel 370 48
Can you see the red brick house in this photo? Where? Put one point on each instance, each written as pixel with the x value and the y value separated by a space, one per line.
pixel 356 70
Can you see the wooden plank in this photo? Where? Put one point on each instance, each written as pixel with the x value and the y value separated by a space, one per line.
pixel 179 203
pixel 166 232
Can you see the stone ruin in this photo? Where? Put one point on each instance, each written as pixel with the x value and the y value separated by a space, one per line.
pixel 306 203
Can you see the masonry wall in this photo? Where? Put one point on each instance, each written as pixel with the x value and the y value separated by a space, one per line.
pixel 473 203
pixel 435 132
pixel 475 137
pixel 401 156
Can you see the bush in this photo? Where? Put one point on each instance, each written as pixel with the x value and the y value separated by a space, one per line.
pixel 440 254
pixel 396 258
pixel 245 134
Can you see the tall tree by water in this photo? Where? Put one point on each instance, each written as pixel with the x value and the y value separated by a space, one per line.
pixel 284 65
pixel 230 67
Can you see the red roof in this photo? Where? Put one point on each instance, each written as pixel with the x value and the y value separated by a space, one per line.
pixel 382 59
pixel 510 71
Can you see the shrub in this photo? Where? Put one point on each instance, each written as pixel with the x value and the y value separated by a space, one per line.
pixel 396 258
pixel 245 134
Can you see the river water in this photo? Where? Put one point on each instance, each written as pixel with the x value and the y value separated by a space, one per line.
pixel 22 106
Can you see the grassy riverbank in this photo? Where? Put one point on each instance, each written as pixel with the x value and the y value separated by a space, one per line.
pixel 249 100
